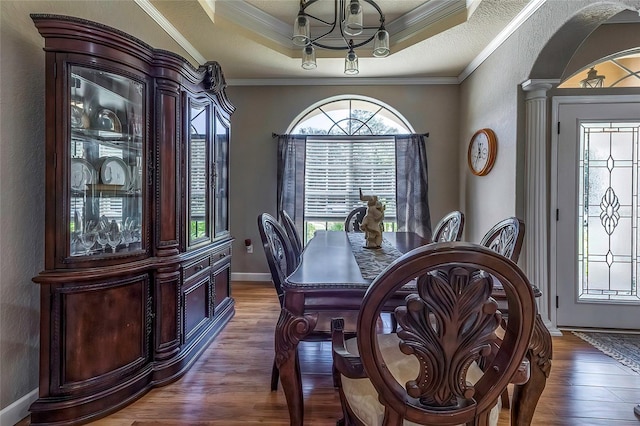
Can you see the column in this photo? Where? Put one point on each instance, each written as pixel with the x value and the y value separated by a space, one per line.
pixel 536 187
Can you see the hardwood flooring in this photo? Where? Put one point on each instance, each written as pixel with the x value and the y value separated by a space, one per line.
pixel 229 383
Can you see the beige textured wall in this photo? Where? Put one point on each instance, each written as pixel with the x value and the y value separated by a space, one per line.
pixel 263 110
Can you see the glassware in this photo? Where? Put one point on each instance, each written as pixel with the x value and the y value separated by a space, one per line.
pixel 88 240
pixel 114 236
pixel 101 237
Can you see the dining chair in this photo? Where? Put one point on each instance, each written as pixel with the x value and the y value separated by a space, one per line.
pixel 506 237
pixel 449 228
pixel 290 226
pixel 354 219
pixel 428 371
pixel 282 261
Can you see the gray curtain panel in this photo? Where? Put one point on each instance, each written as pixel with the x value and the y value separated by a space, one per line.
pixel 412 185
pixel 290 191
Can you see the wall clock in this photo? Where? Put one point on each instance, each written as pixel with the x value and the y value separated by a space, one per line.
pixel 482 152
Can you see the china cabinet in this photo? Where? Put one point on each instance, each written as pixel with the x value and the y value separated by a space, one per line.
pixel 137 243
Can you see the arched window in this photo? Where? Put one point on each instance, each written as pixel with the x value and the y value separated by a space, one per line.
pixel 350 145
pixel 350 115
pixel 619 70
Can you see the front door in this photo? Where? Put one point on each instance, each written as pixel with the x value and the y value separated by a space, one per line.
pixel 598 217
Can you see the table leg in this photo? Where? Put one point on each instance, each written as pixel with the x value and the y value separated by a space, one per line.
pixel 290 329
pixel 526 396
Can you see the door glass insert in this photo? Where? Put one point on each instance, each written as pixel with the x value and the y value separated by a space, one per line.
pixel 198 172
pixel 608 212
pixel 107 162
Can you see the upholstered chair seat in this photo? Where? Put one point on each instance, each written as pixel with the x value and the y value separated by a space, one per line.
pixel 362 396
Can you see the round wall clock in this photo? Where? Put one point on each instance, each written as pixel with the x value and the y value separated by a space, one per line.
pixel 482 152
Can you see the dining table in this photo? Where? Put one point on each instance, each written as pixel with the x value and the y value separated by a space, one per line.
pixel 333 275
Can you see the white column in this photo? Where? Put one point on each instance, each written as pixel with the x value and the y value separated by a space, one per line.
pixel 536 240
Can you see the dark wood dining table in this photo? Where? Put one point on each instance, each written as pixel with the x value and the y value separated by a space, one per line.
pixel 328 280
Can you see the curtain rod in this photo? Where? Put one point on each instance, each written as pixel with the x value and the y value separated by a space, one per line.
pixel 426 135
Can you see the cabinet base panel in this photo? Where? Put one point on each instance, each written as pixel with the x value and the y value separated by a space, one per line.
pixel 82 409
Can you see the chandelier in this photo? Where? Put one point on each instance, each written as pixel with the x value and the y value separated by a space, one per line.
pixel 339 34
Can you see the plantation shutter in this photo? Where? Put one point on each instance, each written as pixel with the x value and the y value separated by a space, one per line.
pixel 337 168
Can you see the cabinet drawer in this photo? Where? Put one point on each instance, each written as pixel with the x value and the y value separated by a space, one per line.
pixel 222 255
pixel 196 267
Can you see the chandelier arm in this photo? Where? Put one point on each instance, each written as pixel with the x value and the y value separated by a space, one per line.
pixel 347 47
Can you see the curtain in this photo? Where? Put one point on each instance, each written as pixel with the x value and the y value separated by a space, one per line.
pixel 412 185
pixel 290 191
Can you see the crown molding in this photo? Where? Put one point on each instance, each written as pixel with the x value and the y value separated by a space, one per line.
pixel 422 17
pixel 525 14
pixel 256 21
pixel 346 81
pixel 171 30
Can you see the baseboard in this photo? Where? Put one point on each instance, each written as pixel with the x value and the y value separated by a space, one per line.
pixel 250 276
pixel 15 412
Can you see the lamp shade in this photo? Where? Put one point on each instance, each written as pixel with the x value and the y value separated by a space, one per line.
pixel 381 44
pixel 309 58
pixel 353 20
pixel 351 63
pixel 301 34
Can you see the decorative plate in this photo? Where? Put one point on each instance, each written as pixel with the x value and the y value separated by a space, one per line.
pixel 82 173
pixel 114 171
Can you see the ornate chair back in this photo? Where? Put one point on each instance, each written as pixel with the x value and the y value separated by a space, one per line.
pixel 354 219
pixel 505 238
pixel 290 226
pixel 449 228
pixel 427 372
pixel 278 250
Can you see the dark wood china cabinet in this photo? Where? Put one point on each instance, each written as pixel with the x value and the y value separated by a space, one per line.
pixel 137 243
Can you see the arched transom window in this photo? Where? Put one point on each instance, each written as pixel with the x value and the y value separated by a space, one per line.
pixel 350 115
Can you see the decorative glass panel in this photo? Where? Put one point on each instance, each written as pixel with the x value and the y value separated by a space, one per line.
pixel 198 172
pixel 609 211
pixel 106 165
pixel 222 178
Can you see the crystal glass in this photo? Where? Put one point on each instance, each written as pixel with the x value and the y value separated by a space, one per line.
pixel 88 240
pixel 101 238
pixel 114 236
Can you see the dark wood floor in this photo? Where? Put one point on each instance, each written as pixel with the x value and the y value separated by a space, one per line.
pixel 229 383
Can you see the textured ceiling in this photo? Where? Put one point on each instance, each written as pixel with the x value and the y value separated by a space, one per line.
pixel 251 39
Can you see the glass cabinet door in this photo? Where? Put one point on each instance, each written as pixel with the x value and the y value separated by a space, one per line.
pixel 198 173
pixel 106 164
pixel 221 150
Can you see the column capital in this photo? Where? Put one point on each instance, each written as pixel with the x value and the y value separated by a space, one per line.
pixel 538 88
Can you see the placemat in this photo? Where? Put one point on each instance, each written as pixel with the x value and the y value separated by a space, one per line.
pixel 372 261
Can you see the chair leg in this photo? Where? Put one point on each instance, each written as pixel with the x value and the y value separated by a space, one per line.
pixel 275 375
pixel 505 399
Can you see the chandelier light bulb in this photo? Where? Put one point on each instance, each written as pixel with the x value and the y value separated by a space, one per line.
pixel 351 63
pixel 381 44
pixel 353 22
pixel 309 58
pixel 301 32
